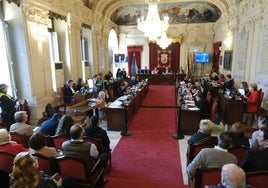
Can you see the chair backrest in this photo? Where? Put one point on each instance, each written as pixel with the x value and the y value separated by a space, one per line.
pixel 261 95
pixel 97 142
pixel 6 161
pixel 214 109
pixel 58 140
pixel 193 150
pixel 239 151
pixel 211 176
pixel 20 139
pixel 85 171
pixel 257 179
pixel 46 164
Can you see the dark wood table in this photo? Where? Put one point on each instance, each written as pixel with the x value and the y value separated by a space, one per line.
pixel 230 110
pixel 119 115
pixel 161 79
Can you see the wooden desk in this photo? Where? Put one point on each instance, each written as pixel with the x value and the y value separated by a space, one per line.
pixel 161 79
pixel 119 116
pixel 230 110
pixel 189 121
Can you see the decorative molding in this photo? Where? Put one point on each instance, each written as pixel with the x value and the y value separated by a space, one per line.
pixel 57 16
pixel 36 15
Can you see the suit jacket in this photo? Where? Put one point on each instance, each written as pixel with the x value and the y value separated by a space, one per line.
pixel 228 84
pixel 256 160
pixel 68 94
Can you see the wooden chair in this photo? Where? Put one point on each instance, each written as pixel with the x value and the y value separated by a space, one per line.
pixel 58 140
pixel 193 150
pixel 239 151
pixel 6 161
pixel 257 179
pixel 86 173
pixel 46 164
pixel 100 147
pixel 20 139
pixel 211 176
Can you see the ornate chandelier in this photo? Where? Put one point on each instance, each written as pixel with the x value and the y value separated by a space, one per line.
pixel 153 27
pixel 163 41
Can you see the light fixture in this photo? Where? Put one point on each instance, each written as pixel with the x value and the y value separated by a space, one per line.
pixel 163 41
pixel 153 27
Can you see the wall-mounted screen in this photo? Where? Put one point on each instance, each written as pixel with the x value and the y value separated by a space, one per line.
pixel 227 60
pixel 202 57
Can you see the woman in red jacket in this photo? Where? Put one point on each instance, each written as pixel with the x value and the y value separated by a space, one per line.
pixel 252 99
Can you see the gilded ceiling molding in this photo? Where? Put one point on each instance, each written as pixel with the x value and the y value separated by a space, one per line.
pixel 57 16
pixel 36 15
pixel 17 2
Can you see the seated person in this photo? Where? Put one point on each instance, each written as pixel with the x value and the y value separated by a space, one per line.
pixel 262 122
pixel 203 106
pixel 7 145
pixel 204 134
pixel 120 91
pixel 20 126
pixel 69 91
pixel 64 126
pixel 213 157
pixel 231 176
pixel 229 83
pixel 78 148
pixel 49 126
pixel 244 86
pixel 132 82
pixel 257 160
pixel 26 174
pixel 101 112
pixel 240 139
pixel 167 70
pixel 37 142
pixel 93 130
pixel 155 71
pixel 79 84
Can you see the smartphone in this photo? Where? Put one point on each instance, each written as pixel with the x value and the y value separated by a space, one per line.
pixel 57 177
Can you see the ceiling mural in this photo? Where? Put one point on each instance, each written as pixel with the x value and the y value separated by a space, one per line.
pixel 186 12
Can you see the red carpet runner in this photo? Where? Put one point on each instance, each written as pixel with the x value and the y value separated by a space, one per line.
pixel 150 156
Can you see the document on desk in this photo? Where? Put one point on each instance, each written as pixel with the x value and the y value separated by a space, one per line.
pixel 193 108
pixel 115 104
pixel 241 91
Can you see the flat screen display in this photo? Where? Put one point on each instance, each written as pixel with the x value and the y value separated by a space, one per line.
pixel 202 57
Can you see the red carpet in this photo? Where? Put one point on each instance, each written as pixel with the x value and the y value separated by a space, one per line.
pixel 150 156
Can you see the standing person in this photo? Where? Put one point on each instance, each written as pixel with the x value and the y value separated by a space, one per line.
pixel 21 126
pixel 252 99
pixel 229 83
pixel 119 74
pixel 7 104
pixel 95 131
pixel 124 73
pixel 69 91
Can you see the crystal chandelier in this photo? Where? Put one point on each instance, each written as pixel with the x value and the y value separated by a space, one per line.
pixel 163 41
pixel 153 26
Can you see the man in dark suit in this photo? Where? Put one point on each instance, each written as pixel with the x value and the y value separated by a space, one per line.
pixel 257 160
pixel 69 91
pixel 229 83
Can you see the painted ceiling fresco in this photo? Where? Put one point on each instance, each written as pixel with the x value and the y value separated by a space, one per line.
pixel 186 12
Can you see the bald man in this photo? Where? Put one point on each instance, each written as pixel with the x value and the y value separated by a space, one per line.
pixel 232 176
